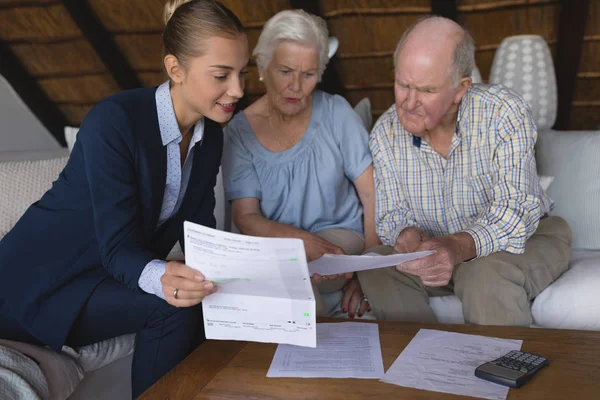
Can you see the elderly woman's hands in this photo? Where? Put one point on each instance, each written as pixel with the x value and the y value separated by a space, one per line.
pixel 353 296
pixel 316 247
pixel 183 286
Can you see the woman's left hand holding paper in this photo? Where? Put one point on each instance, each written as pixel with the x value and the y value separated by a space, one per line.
pixel 184 286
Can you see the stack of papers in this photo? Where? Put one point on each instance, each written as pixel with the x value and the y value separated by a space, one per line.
pixel 434 360
pixel 344 350
pixel 445 362
pixel 265 293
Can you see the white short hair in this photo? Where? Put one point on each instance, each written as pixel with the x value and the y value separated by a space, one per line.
pixel 295 26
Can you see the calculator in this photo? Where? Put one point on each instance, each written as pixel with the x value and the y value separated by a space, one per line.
pixel 512 370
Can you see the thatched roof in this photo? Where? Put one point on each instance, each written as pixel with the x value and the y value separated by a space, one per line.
pixel 79 51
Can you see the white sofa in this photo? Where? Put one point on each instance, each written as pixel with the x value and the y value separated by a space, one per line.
pixel 571 302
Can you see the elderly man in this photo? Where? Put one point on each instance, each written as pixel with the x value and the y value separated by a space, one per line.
pixel 455 173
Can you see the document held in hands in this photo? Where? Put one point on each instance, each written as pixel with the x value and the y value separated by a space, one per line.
pixel 331 264
pixel 265 293
pixel 344 350
pixel 445 362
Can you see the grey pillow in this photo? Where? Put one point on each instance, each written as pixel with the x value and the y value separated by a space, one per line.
pixel 62 373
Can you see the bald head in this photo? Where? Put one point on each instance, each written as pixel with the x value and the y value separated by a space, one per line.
pixel 442 41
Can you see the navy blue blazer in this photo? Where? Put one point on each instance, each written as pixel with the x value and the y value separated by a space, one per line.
pixel 98 221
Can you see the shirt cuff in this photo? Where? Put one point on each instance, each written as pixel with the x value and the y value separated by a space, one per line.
pixel 149 280
pixel 485 237
pixel 388 238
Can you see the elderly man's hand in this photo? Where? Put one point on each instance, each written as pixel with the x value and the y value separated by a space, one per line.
pixel 409 240
pixel 436 269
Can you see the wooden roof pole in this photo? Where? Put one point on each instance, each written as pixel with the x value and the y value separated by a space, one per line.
pixel 103 43
pixel 445 8
pixel 32 94
pixel 571 30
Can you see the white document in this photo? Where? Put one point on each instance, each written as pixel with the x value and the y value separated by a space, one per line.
pixel 331 264
pixel 344 350
pixel 265 293
pixel 445 362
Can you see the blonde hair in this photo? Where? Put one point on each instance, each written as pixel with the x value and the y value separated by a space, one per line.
pixel 189 22
pixel 296 26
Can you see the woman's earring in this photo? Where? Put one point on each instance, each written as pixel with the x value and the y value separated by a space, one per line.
pixel 260 78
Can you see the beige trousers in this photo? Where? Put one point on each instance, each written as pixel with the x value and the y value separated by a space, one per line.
pixel 352 244
pixel 494 290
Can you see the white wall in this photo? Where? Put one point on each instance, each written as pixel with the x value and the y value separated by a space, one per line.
pixel 20 130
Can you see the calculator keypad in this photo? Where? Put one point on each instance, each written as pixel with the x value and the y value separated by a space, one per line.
pixel 520 361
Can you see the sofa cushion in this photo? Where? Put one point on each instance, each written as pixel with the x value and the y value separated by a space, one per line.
pixel 32 155
pixel 23 183
pixel 20 377
pixel 571 157
pixel 70 136
pixel 572 302
pixel 447 309
pixel 62 373
pixel 363 109
pixel 94 386
pixel 97 355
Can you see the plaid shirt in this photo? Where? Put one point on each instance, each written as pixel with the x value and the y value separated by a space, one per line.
pixel 488 186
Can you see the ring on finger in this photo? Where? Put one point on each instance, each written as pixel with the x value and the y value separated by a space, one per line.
pixel 364 298
pixel 175 293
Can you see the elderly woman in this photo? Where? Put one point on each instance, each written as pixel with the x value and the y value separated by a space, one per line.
pixel 296 162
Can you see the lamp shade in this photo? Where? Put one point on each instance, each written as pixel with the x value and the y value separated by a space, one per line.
pixel 524 64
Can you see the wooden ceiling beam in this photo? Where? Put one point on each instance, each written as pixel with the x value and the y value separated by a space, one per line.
pixel 445 8
pixel 571 29
pixel 330 81
pixel 103 43
pixel 32 94
pixel 26 3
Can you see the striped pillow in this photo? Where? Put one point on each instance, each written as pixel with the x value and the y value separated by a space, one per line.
pixel 22 183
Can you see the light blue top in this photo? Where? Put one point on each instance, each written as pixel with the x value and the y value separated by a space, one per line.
pixel 308 186
pixel 177 178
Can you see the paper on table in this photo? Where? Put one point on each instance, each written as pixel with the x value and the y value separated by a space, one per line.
pixel 331 264
pixel 265 293
pixel 344 350
pixel 445 362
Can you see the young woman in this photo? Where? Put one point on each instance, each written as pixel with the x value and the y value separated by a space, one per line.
pixel 85 263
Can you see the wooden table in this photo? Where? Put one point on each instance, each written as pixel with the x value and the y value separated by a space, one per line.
pixel 237 370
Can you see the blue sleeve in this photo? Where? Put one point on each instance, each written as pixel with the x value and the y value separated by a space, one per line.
pixel 150 278
pixel 351 136
pixel 108 150
pixel 240 179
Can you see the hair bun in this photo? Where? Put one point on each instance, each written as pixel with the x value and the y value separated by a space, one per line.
pixel 170 8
